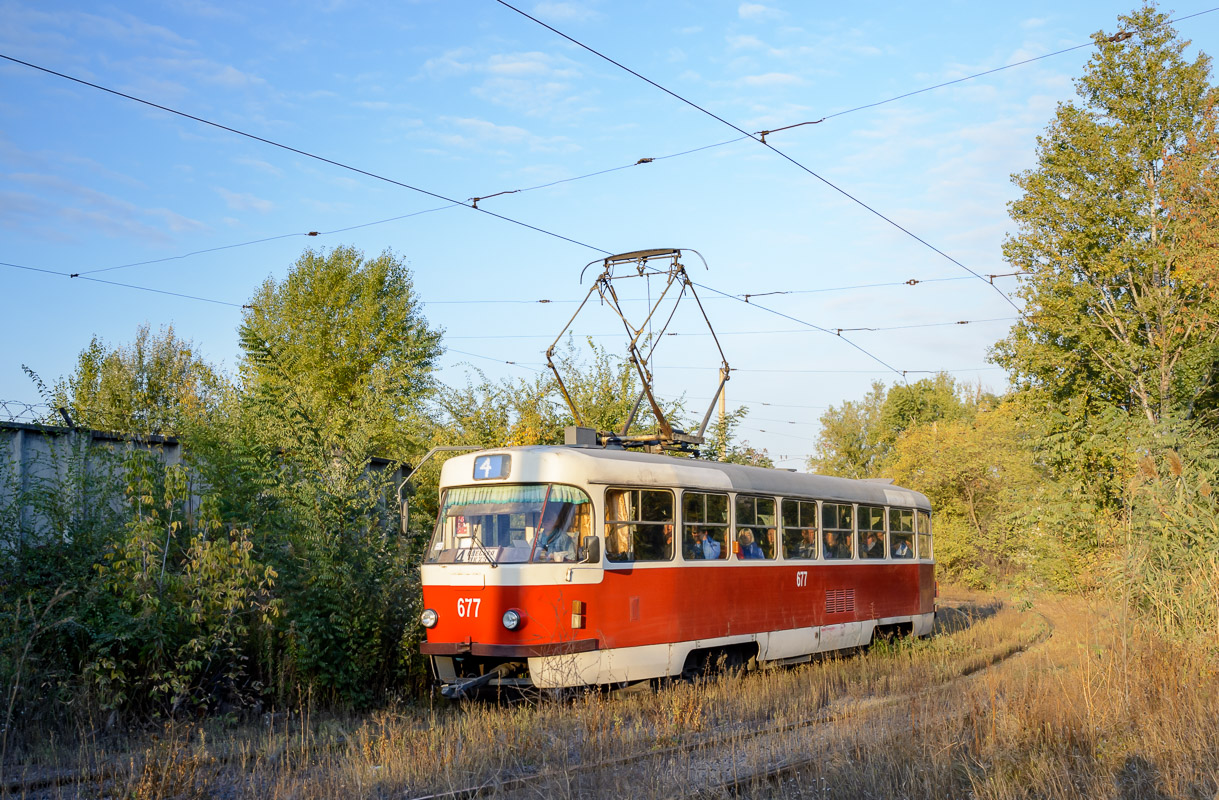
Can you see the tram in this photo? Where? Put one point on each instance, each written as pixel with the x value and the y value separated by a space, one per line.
pixel 565 566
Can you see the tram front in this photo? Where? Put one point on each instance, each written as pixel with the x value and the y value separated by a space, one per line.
pixel 508 572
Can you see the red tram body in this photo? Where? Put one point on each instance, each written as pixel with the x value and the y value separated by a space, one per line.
pixel 570 566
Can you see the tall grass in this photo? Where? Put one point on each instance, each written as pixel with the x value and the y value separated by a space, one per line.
pixel 1089 709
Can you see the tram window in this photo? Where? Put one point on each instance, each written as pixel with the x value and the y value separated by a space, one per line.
pixel 924 535
pixel 755 527
pixel 502 524
pixel 837 529
pixel 704 526
pixel 638 524
pixel 871 541
pixel 799 529
pixel 901 533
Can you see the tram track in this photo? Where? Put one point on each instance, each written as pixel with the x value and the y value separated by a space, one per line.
pixel 703 756
pixel 721 775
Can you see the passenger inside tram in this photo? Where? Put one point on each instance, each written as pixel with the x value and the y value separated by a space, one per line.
pixel 748 548
pixel 835 547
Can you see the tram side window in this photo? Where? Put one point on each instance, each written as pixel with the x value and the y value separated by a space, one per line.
pixel 638 524
pixel 924 535
pixel 755 527
pixel 837 529
pixel 871 532
pixel 704 526
pixel 901 533
pixel 799 529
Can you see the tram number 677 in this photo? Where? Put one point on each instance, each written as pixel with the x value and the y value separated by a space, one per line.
pixel 801 579
pixel 468 606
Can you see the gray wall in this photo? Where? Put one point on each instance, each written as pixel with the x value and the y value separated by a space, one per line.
pixel 37 457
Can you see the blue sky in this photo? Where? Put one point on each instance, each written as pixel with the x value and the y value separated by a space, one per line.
pixel 466 98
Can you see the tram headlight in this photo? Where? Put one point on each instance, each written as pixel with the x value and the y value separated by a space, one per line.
pixel 512 619
pixel 429 617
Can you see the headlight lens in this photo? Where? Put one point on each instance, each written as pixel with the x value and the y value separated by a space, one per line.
pixel 512 619
pixel 428 618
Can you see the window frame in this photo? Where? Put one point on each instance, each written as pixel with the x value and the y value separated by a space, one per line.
pixel 723 527
pixel 815 527
pixel 633 524
pixel 922 537
pixel 755 528
pixel 850 532
pixel 861 531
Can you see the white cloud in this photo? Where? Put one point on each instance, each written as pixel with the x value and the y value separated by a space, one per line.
pixel 176 222
pixel 771 79
pixel 529 65
pixel 79 207
pixel 478 133
pixel 757 11
pixel 564 12
pixel 450 64
pixel 241 201
pixel 745 43
pixel 260 165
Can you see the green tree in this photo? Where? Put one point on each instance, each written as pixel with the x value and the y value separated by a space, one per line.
pixel 156 384
pixel 340 344
pixel 1120 300
pixel 923 402
pixel 850 445
pixel 977 474
pixel 857 438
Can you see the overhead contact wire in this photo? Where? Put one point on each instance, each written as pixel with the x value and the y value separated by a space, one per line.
pixel 296 150
pixel 764 143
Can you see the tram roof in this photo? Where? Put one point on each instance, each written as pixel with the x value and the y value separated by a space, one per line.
pixel 564 464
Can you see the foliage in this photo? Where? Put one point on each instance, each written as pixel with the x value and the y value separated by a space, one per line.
pixel 1170 571
pixel 850 444
pixel 187 594
pixel 723 444
pixel 977 474
pixel 533 411
pixel 156 384
pixel 1121 303
pixel 340 344
pixel 857 438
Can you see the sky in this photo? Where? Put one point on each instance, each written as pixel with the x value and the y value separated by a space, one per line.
pixel 468 98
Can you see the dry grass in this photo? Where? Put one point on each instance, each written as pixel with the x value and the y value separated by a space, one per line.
pixel 1087 713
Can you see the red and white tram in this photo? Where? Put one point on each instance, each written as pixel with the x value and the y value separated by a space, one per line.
pixel 572 566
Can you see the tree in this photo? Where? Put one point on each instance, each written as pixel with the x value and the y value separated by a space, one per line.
pixel 849 445
pixel 1121 300
pixel 156 384
pixel 339 345
pixel 977 473
pixel 857 438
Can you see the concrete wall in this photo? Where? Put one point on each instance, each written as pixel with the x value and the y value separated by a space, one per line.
pixel 44 458
pixel 37 457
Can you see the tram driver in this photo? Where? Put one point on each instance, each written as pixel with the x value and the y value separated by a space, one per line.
pixel 555 544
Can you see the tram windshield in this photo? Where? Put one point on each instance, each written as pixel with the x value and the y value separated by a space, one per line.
pixel 511 524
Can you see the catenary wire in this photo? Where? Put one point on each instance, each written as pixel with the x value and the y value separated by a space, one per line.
pixel 124 285
pixel 766 144
pixel 991 71
pixel 639 162
pixel 748 333
pixel 296 150
pixel 434 194
pixel 260 241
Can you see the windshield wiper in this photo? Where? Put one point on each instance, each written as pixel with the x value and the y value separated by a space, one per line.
pixel 486 553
